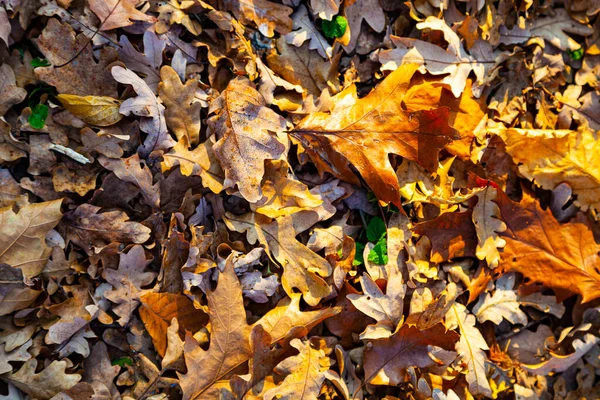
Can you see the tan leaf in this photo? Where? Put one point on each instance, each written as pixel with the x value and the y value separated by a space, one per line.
pixel 369 11
pixel 157 311
pixel 87 228
pixel 385 359
pixel 9 92
pixel 305 372
pixel 182 113
pixel 200 161
pixel 560 256
pixel 134 171
pixel 488 225
pixel 14 295
pixel 267 15
pixel 561 362
pixel 302 268
pixel 43 385
pixel 118 13
pixel 95 110
pixel 80 180
pixel 502 304
pixel 427 311
pixel 551 157
pixel 23 235
pixel 248 134
pixel 365 131
pixel 305 29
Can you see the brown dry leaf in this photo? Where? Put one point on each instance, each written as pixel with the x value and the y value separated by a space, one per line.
pixel 386 359
pixel 118 13
pixel 567 260
pixel 14 295
pixel 305 372
pixel 47 383
pixel 302 268
pixel 10 93
pixel 80 180
pixel 267 15
pixel 157 311
pixel 84 77
pixel 365 131
pixel 248 133
pixel 488 225
pixel 358 11
pixel 95 110
pixel 23 235
pixel 88 229
pixel 183 112
pixel 134 171
pixel 551 157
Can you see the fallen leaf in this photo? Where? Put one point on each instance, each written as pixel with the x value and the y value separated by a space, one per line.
pixel 561 362
pixel 118 13
pixel 504 303
pixel 147 63
pixel 10 93
pixel 488 225
pixel 48 382
pixel 95 110
pixel 304 29
pixel 276 19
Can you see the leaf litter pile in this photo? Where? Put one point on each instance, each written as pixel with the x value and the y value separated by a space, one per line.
pixel 296 199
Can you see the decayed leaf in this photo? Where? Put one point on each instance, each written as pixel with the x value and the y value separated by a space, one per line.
pixel 277 18
pixel 365 131
pixel 302 268
pixel 488 225
pixel 504 303
pixel 23 235
pixel 182 113
pixel 10 93
pixel 127 282
pixel 134 171
pixel 84 77
pixel 248 134
pixel 87 228
pixel 382 307
pixel 95 110
pixel 304 29
pixel 200 161
pixel 551 157
pixel 566 261
pixel 145 105
pixel 470 349
pixel 386 359
pixel 157 311
pixel 304 373
pixel 118 13
pixel 45 384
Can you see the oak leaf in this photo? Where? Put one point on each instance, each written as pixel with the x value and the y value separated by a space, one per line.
pixel 304 29
pixel 369 11
pixel 147 63
pixel 14 294
pixel 48 382
pixel 504 303
pixel 10 93
pixel 87 228
pixel 267 15
pixel 365 131
pixel 386 359
pixel 305 372
pixel 551 157
pixel 561 362
pixel 157 311
pixel 560 256
pixel 302 268
pixel 118 13
pixel 248 133
pixel 23 235
pixel 182 113
pixel 95 110
pixel 488 225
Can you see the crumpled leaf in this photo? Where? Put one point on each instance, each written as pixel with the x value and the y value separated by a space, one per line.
pixel 118 13
pixel 145 105
pixel 566 261
pixel 504 303
pixel 95 110
pixel 302 268
pixel 471 348
pixel 127 282
pixel 385 359
pixel 304 373
pixel 43 385
pixel 248 133
pixel 551 157
pixel 488 225
pixel 183 112
pixel 364 131
pixel 304 29
pixel 23 235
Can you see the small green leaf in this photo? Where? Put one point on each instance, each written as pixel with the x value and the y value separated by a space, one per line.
pixel 40 62
pixel 378 254
pixel 358 254
pixel 38 116
pixel 121 362
pixel 376 229
pixel 334 28
pixel 576 54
